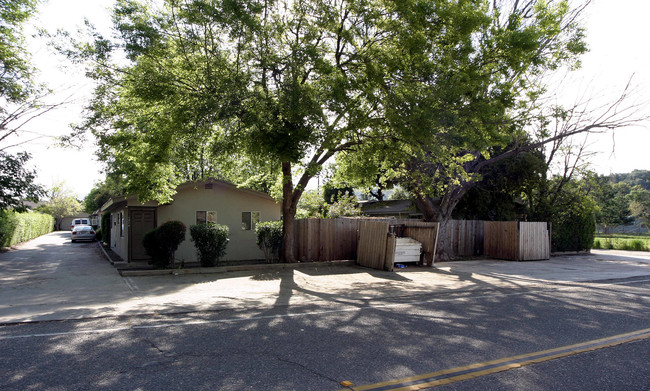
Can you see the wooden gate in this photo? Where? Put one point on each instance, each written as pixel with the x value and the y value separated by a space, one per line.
pixel 517 240
pixel 373 236
pixel 321 240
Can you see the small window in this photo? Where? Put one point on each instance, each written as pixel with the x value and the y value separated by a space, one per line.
pixel 121 218
pixel 249 220
pixel 206 216
pixel 201 217
pixel 212 216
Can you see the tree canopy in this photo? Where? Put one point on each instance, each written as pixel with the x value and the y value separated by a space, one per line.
pixel 16 72
pixel 61 203
pixel 17 106
pixel 16 181
pixel 421 93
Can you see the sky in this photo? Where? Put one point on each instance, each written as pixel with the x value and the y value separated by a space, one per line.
pixel 616 35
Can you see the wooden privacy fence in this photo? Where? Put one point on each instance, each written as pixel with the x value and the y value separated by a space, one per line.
pixel 517 240
pixel 367 241
pixel 461 238
pixel 320 240
pixel 373 245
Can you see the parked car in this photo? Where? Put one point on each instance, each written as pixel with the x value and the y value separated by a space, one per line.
pixel 82 232
pixel 79 221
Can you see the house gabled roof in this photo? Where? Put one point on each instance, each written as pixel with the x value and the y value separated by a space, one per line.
pixel 228 185
pixel 120 201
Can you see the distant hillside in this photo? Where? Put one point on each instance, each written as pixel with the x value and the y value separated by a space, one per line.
pixel 636 177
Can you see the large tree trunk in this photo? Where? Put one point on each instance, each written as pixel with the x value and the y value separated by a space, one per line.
pixel 288 214
pixel 440 211
pixel 288 220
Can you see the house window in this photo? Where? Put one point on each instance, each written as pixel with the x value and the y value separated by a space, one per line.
pixel 120 217
pixel 206 216
pixel 249 220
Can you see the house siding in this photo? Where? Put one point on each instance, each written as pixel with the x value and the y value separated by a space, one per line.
pixel 227 200
pixel 119 243
pixel 229 203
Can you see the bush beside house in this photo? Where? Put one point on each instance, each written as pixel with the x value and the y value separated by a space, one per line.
pixel 162 242
pixel 105 228
pixel 20 227
pixel 269 238
pixel 210 241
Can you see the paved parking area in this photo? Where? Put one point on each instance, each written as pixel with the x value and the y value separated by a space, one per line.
pixel 599 265
pixel 50 278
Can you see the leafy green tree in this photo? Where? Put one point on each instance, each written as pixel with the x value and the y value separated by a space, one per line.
pixel 16 76
pixel 463 83
pixel 333 192
pixel 102 192
pixel 61 203
pixel 345 205
pixel 366 169
pixel 289 84
pixel 399 193
pixel 285 82
pixel 18 103
pixel 311 205
pixel 640 204
pixel 613 202
pixel 17 181
pixel 634 178
pixel 574 224
pixel 504 189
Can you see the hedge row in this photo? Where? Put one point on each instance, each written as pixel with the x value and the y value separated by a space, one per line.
pixel 21 227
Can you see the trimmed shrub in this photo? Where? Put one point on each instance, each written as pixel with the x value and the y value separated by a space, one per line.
pixel 162 242
pixel 637 245
pixel 574 227
pixel 21 227
pixel 106 227
pixel 210 241
pixel 269 238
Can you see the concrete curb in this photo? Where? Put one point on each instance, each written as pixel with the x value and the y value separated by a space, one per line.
pixel 564 253
pixel 105 253
pixel 233 268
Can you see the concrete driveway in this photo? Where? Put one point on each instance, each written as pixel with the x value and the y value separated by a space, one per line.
pixel 50 278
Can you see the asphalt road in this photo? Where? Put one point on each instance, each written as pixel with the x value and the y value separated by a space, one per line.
pixel 316 345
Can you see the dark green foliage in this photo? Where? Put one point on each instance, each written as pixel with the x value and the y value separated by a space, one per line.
pixel 106 227
pixel 612 200
pixel 153 249
pixel 346 205
pixel 102 192
pixel 162 242
pixel 331 193
pixel 210 241
pixel 20 227
pixel 574 226
pixel 269 238
pixel 16 181
pixel 16 76
pixel 499 195
pixel 634 178
pixel 295 83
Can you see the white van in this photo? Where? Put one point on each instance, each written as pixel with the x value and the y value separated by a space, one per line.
pixel 79 221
